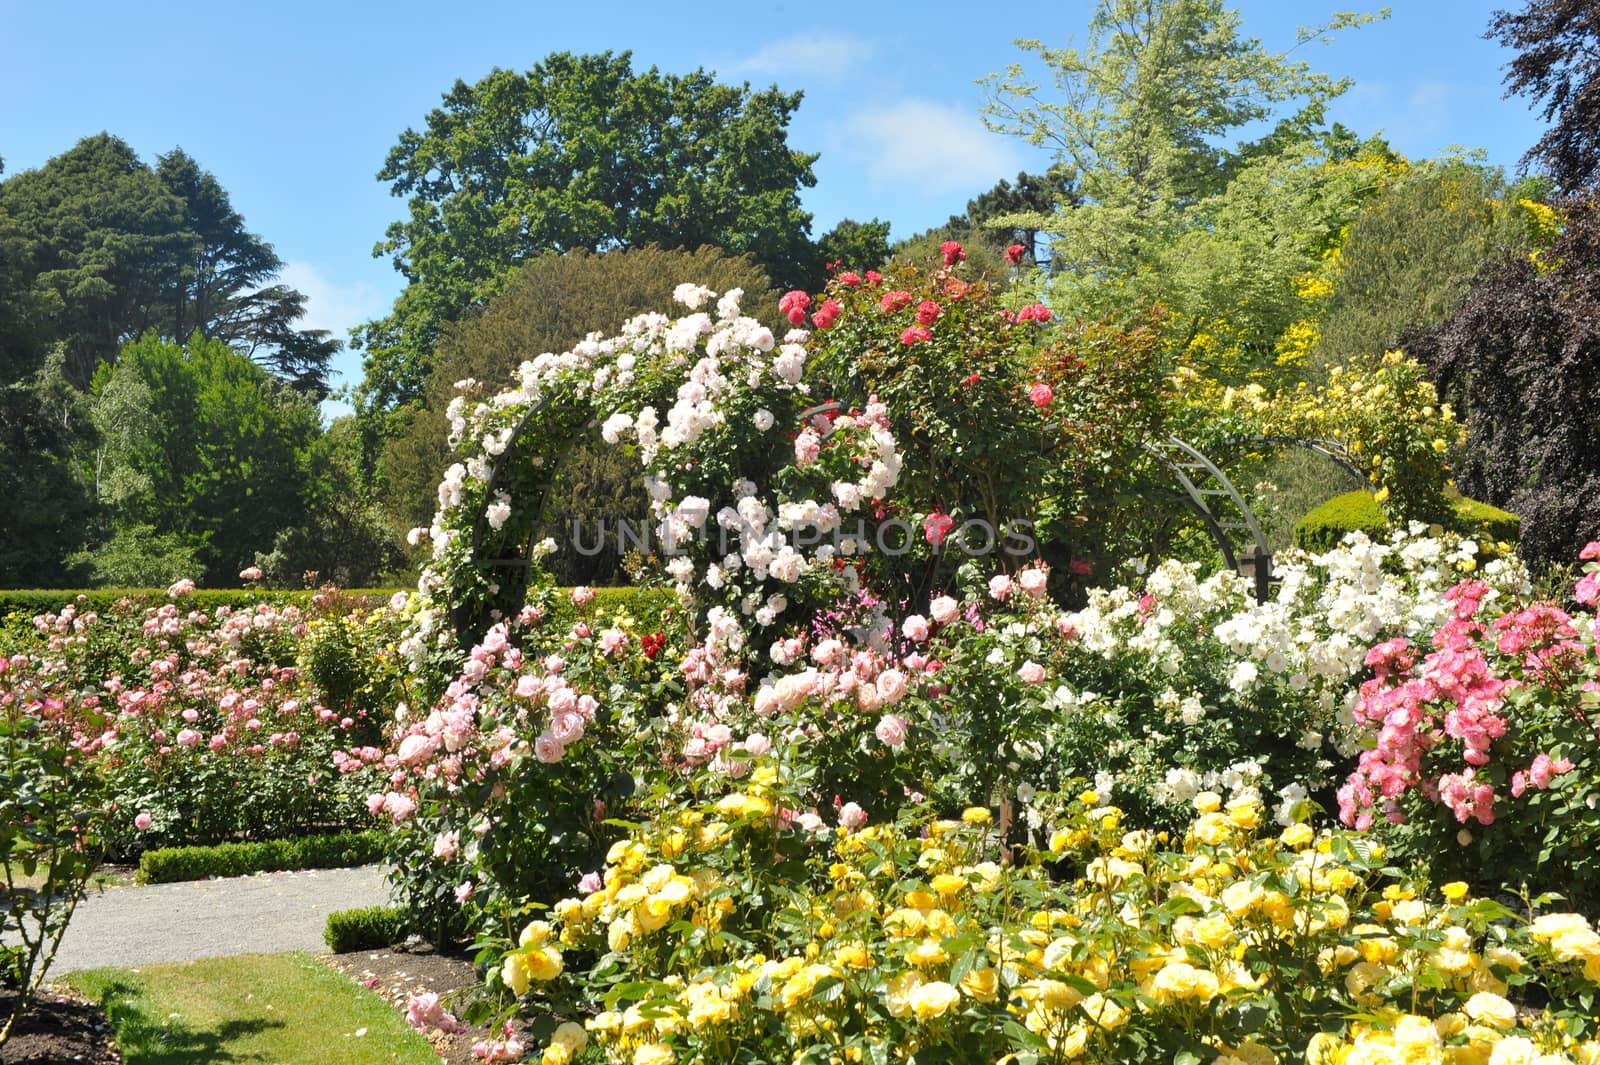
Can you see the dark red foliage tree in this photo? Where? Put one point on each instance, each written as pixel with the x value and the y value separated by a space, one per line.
pixel 1558 66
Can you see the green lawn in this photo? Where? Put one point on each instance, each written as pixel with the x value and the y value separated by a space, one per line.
pixel 268 1008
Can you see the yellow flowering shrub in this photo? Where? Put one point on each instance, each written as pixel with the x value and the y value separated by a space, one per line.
pixel 1385 419
pixel 738 930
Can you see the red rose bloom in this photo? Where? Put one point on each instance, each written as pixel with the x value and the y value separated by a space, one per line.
pixel 827 314
pixel 894 301
pixel 1015 253
pixel 1037 312
pixel 793 305
pixel 1041 394
pixel 953 252
pixel 873 277
pixel 850 277
pixel 915 334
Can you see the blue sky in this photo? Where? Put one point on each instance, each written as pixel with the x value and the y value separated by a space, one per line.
pixel 294 105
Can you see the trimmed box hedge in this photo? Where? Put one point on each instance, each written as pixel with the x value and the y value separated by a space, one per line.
pixel 171 864
pixel 370 928
pixel 31 601
pixel 1327 525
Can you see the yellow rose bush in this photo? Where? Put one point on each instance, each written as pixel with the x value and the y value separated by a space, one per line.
pixel 1386 419
pixel 734 929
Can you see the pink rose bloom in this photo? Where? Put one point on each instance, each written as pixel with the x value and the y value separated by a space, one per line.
pixel 1081 567
pixel 528 686
pixel 807 446
pixel 891 731
pixel 852 816
pixel 590 883
pixel 191 715
pixel 891 686
pixel 446 845
pixel 850 279
pixel 1031 673
pixel 1037 312
pixel 915 628
pixel 582 595
pixel 1040 394
pixel 1015 253
pixel 181 588
pixel 464 892
pixel 915 335
pixel 567 726
pixel 757 744
pixel 142 822
pixel 928 312
pixel 944 609
pixel 188 738
pixel 936 526
pixel 717 736
pixel 548 749
pixel 250 573
pixel 374 804
pixel 953 252
pixel 1033 580
pixel 399 806
pixel 894 301
pixel 415 749
pixel 613 641
pixel 1000 586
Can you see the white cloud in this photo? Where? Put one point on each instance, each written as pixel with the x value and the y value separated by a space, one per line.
pixel 331 306
pixel 825 55
pixel 932 148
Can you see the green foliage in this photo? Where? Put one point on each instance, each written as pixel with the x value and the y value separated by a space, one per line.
pixel 26 602
pixel 1177 208
pixel 172 864
pixel 364 929
pixel 198 443
pixel 853 245
pixel 41 419
pixel 139 557
pixel 1411 254
pixel 1324 527
pixel 580 151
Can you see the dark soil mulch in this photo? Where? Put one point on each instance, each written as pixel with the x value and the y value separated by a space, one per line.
pixel 396 973
pixel 60 1026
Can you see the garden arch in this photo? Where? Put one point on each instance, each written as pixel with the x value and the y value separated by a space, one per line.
pixel 1205 489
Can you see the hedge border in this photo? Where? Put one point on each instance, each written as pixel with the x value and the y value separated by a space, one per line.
pixel 1326 525
pixel 367 928
pixel 173 864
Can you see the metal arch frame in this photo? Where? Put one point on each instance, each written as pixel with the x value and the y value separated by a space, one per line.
pixel 1183 459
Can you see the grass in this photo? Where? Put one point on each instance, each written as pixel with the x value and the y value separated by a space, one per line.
pixel 258 1007
pixel 107 876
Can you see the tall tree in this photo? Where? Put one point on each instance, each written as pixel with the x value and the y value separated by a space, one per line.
pixel 1201 160
pixel 579 152
pixel 199 443
pixel 224 288
pixel 1522 356
pixel 1558 65
pixel 110 248
pixel 853 245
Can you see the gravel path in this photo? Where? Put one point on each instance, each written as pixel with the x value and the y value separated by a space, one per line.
pixel 262 914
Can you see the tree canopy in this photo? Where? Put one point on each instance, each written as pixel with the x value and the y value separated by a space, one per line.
pixel 1558 65
pixel 580 152
pixel 104 248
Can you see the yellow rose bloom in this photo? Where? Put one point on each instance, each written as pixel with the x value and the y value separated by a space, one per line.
pixel 898 992
pixel 976 815
pixel 654 1054
pixel 1207 802
pixel 947 884
pixel 1297 836
pixel 1454 891
pixel 934 999
pixel 1490 1009
pixel 981 984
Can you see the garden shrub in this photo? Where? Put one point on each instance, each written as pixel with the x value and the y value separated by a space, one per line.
pixel 1326 525
pixel 33 601
pixel 342 850
pixel 369 928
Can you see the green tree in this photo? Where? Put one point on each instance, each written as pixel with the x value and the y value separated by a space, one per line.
pixel 579 152
pixel 50 505
pixel 1414 251
pixel 1558 65
pixel 104 248
pixel 853 245
pixel 1207 180
pixel 199 443
pixel 550 304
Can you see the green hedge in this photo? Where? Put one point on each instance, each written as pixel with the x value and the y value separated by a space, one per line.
pixel 1327 525
pixel 171 864
pixel 31 601
pixel 371 928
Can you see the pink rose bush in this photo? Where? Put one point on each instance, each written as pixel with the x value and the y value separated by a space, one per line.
pixel 208 725
pixel 1482 737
